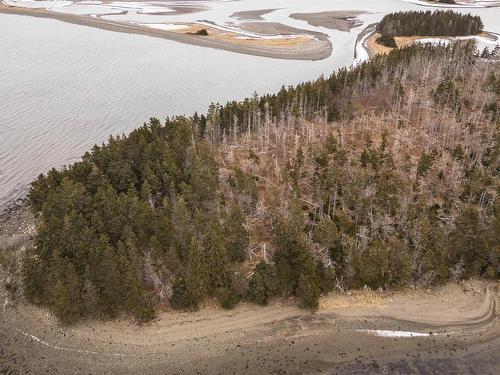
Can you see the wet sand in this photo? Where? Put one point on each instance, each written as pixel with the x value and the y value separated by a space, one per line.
pixel 336 20
pixel 180 9
pixel 251 14
pixel 304 49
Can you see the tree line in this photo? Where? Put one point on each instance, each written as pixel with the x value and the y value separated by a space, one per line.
pixel 427 23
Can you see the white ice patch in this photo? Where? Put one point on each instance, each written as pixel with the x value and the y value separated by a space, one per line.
pixel 57 347
pixel 472 4
pixel 361 52
pixel 390 333
pixel 481 41
pixel 36 4
pixel 164 26
pixel 79 7
pixel 434 41
pixel 138 6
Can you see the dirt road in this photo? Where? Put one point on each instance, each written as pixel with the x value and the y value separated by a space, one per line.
pixel 453 329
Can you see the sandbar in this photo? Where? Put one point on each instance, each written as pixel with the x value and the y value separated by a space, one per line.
pixel 336 20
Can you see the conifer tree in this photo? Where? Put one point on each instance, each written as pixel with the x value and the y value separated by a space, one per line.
pixel 293 259
pixel 308 291
pixel 235 234
pixel 263 284
pixel 216 255
pixel 196 275
pixel 66 296
pixel 469 241
pixel 182 299
pixel 34 278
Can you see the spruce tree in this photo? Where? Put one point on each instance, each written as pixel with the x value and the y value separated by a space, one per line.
pixel 196 275
pixel 66 296
pixel 295 266
pixel 308 290
pixel 236 235
pixel 182 299
pixel 216 255
pixel 263 284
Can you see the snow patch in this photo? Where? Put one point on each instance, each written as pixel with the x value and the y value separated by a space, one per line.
pixel 164 26
pixel 472 4
pixel 391 333
pixel 37 4
pixel 433 41
pixel 361 52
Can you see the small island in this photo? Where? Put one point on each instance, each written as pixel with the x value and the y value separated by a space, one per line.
pixel 397 30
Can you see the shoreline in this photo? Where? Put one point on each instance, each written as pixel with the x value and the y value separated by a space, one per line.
pixel 373 48
pixel 362 38
pixel 318 49
pixel 348 334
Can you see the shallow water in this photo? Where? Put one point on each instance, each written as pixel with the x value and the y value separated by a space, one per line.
pixel 65 87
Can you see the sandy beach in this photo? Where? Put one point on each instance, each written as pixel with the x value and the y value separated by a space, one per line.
pixel 299 48
pixel 374 48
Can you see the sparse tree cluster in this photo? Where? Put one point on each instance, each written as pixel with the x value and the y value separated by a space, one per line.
pixel 387 40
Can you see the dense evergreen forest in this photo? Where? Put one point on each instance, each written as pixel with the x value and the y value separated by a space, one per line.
pixel 427 23
pixel 382 175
